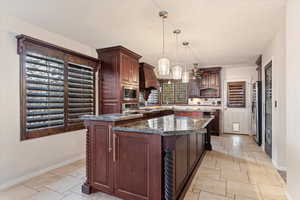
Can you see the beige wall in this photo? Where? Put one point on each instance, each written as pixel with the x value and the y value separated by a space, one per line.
pixel 293 97
pixel 18 160
pixel 276 52
pixel 233 73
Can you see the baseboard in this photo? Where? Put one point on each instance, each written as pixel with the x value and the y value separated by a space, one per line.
pixel 281 168
pixel 288 196
pixel 39 172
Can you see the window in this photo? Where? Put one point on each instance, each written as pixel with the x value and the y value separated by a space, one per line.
pixel 57 87
pixel 236 94
pixel 174 92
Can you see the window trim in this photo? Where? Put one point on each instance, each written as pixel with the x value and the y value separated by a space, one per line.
pixel 25 44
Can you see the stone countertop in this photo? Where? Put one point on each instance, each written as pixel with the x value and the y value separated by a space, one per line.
pixel 111 117
pixel 169 125
pixel 187 108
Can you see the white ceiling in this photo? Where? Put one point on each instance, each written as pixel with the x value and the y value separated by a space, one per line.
pixel 220 31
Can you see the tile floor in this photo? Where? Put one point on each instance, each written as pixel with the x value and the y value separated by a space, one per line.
pixel 236 169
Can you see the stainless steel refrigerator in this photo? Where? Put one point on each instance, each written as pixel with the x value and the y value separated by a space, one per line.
pixel 256 117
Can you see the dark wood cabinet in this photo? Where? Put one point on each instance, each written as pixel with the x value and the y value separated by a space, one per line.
pixel 119 68
pixel 102 171
pixel 136 156
pixel 208 85
pixel 194 88
pixel 192 150
pixel 138 166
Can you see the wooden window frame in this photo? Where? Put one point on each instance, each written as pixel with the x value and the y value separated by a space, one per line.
pixel 25 44
pixel 161 81
pixel 243 84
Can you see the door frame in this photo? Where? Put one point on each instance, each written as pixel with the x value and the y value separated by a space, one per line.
pixel 269 64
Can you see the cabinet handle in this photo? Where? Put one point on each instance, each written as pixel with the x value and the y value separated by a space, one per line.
pixel 109 138
pixel 114 147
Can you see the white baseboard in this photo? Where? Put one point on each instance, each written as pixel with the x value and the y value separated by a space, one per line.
pixel 281 168
pixel 39 172
pixel 288 196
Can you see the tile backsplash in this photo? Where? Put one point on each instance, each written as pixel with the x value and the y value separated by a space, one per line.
pixel 205 101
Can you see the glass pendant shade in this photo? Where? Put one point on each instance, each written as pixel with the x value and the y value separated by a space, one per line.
pixel 164 66
pixel 177 72
pixel 185 77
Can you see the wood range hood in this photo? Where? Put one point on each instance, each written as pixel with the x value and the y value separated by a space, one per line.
pixel 148 79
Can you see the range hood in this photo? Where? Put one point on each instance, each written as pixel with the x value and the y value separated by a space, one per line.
pixel 148 79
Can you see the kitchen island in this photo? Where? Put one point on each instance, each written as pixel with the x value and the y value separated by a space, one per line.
pixel 137 158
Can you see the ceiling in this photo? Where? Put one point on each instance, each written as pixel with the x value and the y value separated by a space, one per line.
pixel 220 32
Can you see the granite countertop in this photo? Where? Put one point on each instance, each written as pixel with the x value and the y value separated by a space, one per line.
pixel 167 125
pixel 111 117
pixel 187 108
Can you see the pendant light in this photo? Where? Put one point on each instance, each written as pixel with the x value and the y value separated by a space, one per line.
pixel 186 73
pixel 163 62
pixel 176 69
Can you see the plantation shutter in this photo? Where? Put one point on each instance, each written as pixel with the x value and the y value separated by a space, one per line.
pixel 80 92
pixel 57 86
pixel 236 94
pixel 44 91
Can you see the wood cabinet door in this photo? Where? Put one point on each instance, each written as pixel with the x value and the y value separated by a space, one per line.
pixel 102 168
pixel 137 167
pixel 205 80
pixel 181 162
pixel 192 150
pixel 214 80
pixel 134 72
pixel 126 69
pixel 200 144
pixel 193 89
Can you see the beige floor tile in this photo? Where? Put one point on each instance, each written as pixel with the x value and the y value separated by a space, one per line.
pixel 210 185
pixel 243 189
pixel 74 196
pixel 272 192
pixel 191 196
pixel 234 175
pixel 209 173
pixel 42 180
pixel 64 184
pixel 264 178
pixel 18 192
pixel 45 194
pixel 210 196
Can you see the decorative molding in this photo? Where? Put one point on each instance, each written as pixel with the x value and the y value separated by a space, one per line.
pixel 24 38
pixel 39 172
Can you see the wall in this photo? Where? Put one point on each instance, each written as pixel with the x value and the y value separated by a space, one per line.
pixel 293 97
pixel 275 52
pixel 240 115
pixel 19 160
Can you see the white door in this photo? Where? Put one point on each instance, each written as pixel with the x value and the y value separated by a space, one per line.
pixel 238 120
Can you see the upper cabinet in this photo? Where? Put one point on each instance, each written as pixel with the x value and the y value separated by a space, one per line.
pixel 207 84
pixel 129 70
pixel 119 70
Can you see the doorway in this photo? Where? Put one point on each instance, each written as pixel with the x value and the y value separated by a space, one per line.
pixel 268 109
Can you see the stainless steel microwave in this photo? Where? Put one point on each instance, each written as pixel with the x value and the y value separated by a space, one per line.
pixel 130 94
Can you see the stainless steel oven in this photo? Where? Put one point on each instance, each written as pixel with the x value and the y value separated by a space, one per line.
pixel 130 94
